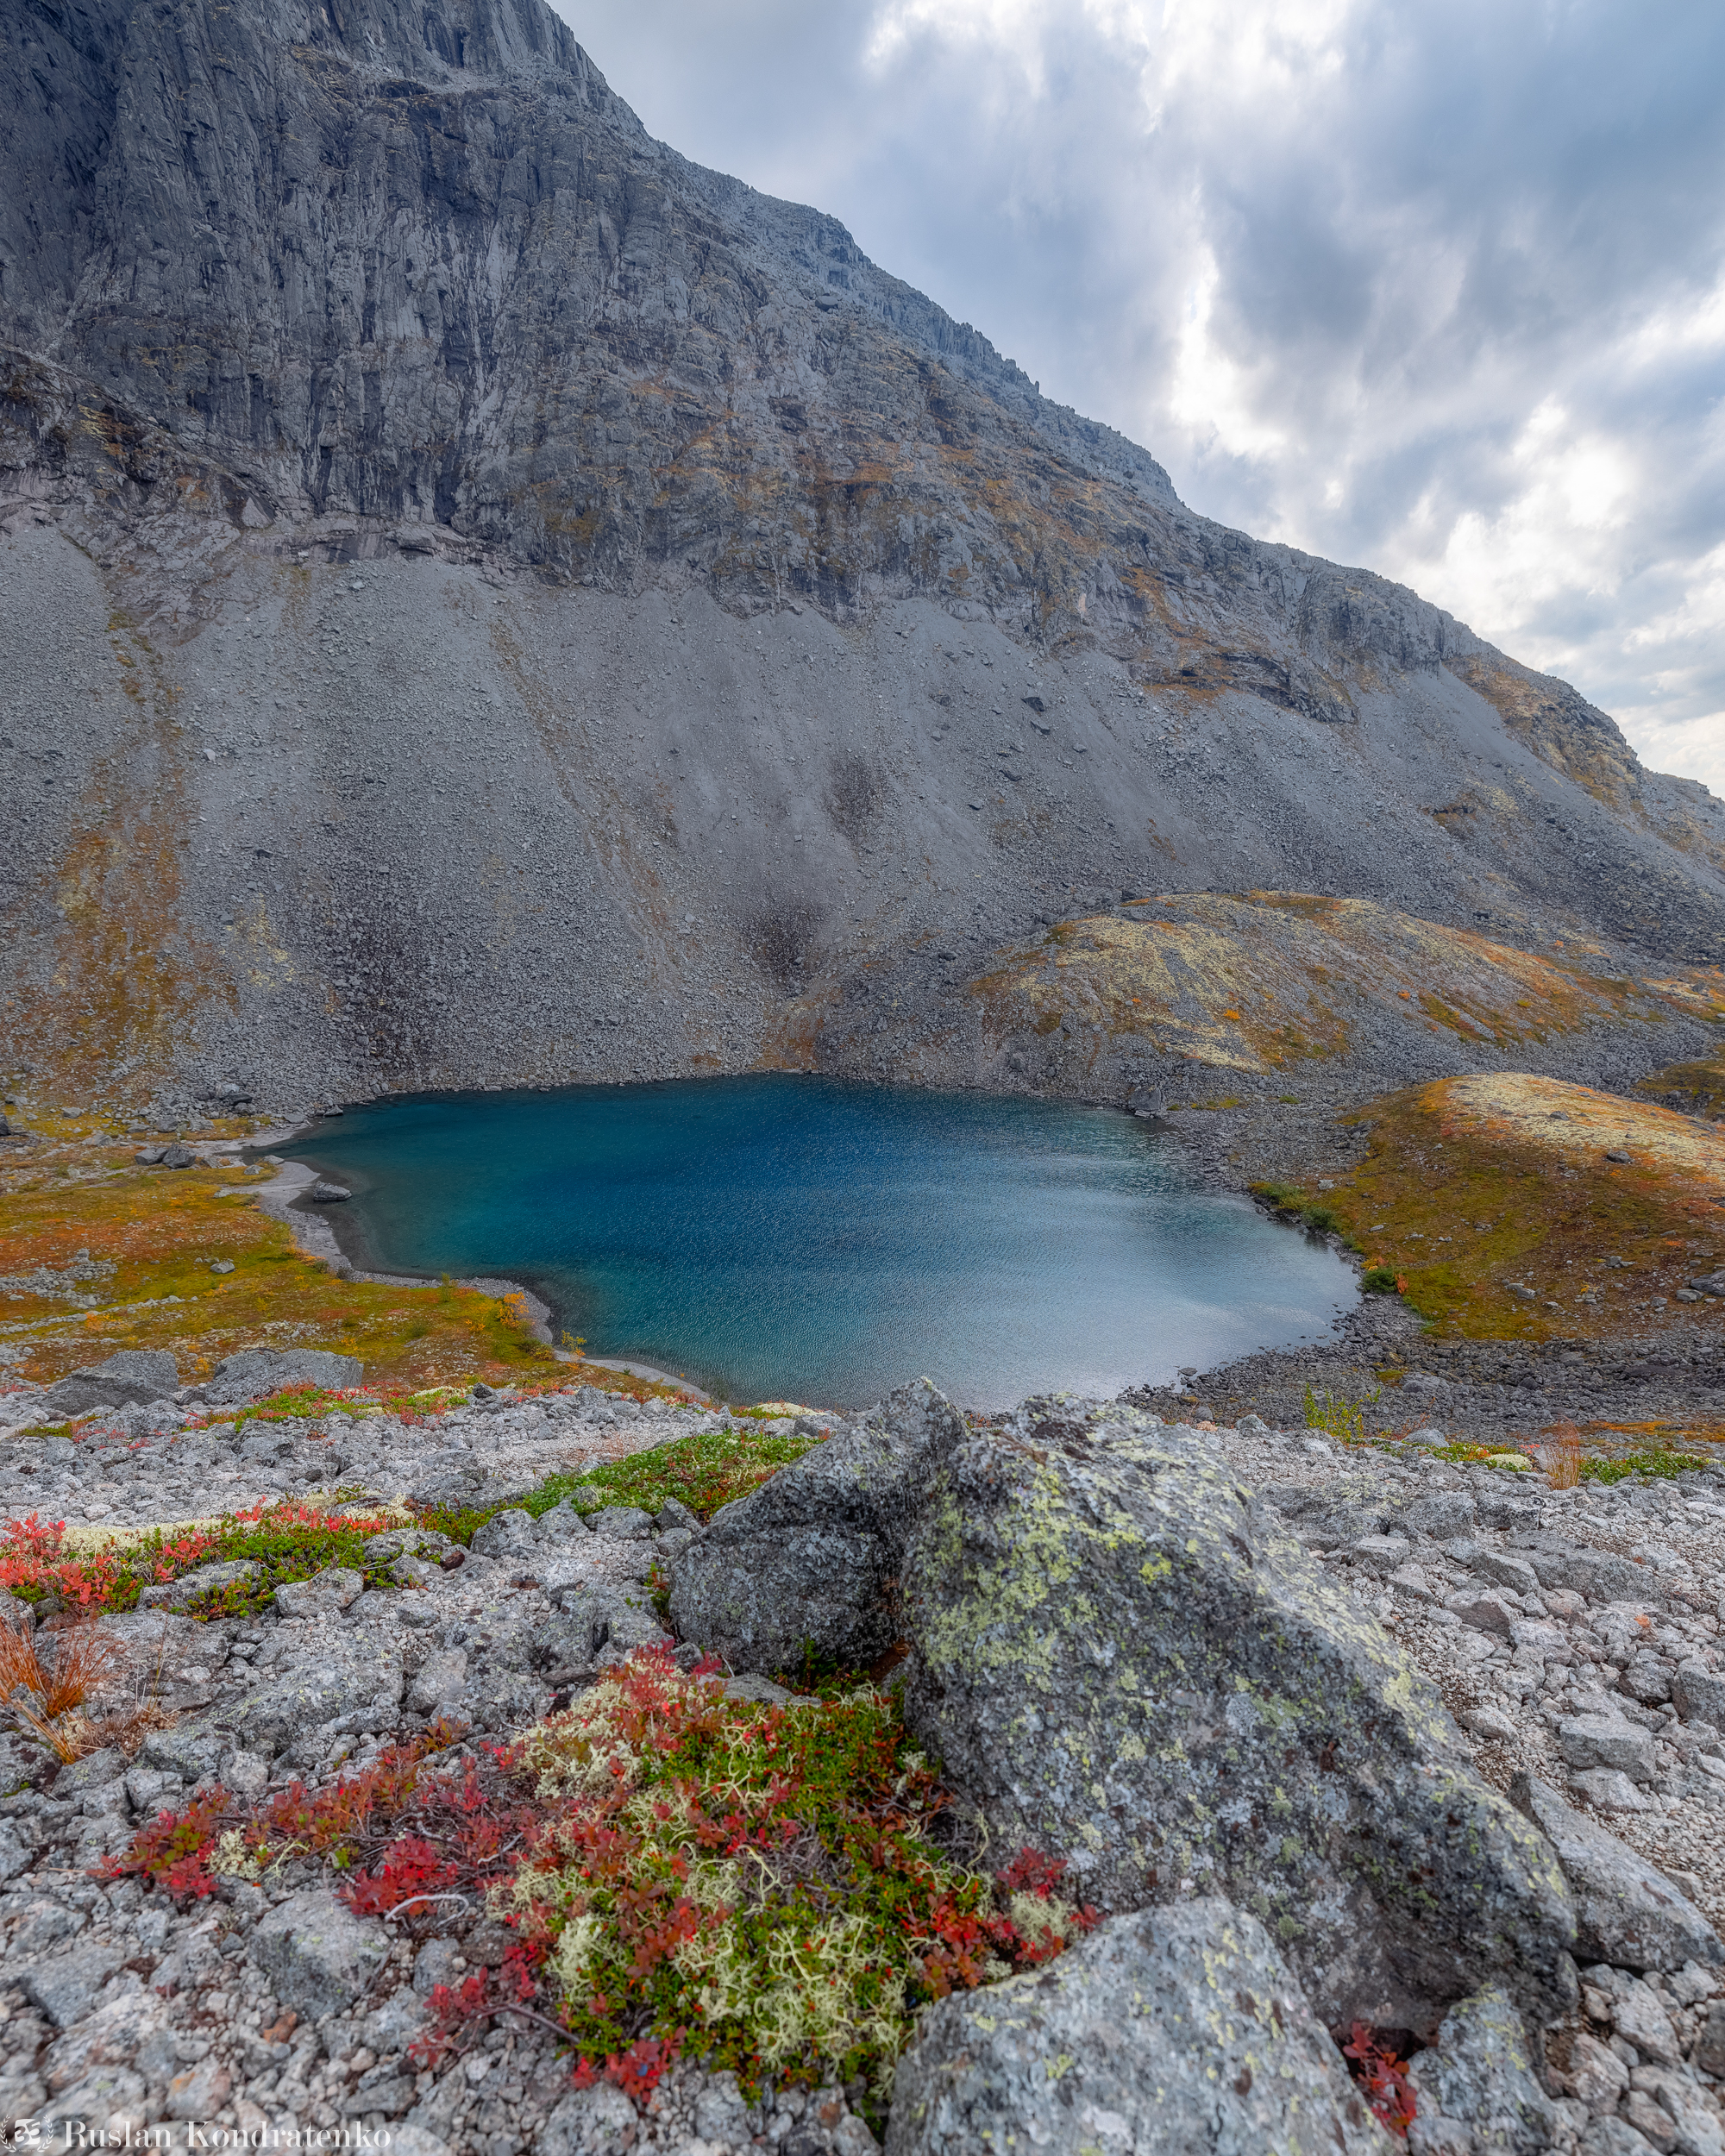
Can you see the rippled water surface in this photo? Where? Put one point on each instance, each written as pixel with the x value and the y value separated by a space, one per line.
pixel 788 1237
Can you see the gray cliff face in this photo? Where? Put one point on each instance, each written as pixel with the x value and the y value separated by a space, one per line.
pixel 490 600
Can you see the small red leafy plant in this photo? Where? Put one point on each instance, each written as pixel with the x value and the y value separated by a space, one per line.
pixel 1382 2079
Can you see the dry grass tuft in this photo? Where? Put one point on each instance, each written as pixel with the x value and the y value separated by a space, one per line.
pixel 1559 1454
pixel 48 1699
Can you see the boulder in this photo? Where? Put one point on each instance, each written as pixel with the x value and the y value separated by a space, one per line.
pixel 1599 1574
pixel 1625 1913
pixel 139 1375
pixel 1175 2032
pixel 254 1373
pixel 326 1594
pixel 508 1533
pixel 560 1524
pixel 343 1680
pixel 323 1193
pixel 204 1579
pixel 440 1683
pixel 1118 1659
pixel 319 1957
pixel 1603 1740
pixel 65 1983
pixel 623 1523
pixel 1698 1694
pixel 1481 2076
pixel 189 1750
pixel 1440 1513
pixel 810 1555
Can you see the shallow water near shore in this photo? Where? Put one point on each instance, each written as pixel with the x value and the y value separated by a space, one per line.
pixel 777 1237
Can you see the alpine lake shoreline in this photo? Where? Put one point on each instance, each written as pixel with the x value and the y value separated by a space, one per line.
pixel 1465 1551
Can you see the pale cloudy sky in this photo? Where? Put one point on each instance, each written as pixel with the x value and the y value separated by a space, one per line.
pixel 1435 286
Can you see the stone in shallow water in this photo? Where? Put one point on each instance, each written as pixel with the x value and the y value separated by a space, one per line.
pixel 1168 2033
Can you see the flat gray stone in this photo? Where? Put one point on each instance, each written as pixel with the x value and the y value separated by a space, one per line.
pixel 1440 1513
pixel 1508 1571
pixel 1601 1741
pixel 1626 1913
pixel 1614 2137
pixel 254 1373
pixel 590 2123
pixel 190 1751
pixel 345 1683
pixel 1638 2017
pixel 1481 2073
pixel 326 1594
pixel 64 1983
pixel 440 1683
pixel 562 1524
pixel 318 1957
pixel 1699 1694
pixel 141 1375
pixel 1483 1613
pixel 623 1523
pixel 1609 1790
pixel 1176 2032
pixel 506 1534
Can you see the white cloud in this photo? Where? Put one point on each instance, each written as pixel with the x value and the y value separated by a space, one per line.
pixel 1436 288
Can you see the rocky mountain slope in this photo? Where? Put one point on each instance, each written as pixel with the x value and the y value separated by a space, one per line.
pixel 488 600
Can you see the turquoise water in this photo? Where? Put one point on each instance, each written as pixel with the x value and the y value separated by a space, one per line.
pixel 787 1238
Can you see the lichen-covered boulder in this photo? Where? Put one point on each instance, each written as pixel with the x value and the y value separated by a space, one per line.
pixel 1175 2032
pixel 1480 2081
pixel 1121 1657
pixel 253 1373
pixel 134 1376
pixel 810 1556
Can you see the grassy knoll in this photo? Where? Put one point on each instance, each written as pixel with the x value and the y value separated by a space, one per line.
pixel 71 1198
pixel 1495 1203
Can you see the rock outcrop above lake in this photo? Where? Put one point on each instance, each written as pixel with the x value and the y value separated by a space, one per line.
pixel 793 662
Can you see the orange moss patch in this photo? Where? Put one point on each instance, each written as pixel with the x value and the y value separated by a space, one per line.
pixel 1477 1188
pixel 1265 979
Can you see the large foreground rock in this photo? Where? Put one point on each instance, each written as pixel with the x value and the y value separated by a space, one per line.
pixel 809 1557
pixel 134 1375
pixel 1626 1912
pixel 1120 1658
pixel 1176 2032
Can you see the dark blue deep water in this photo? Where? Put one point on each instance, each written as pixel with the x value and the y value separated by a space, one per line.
pixel 786 1237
